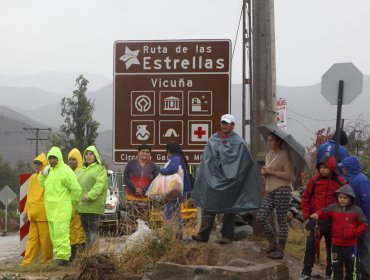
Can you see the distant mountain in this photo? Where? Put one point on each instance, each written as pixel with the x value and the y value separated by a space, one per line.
pixel 307 112
pixel 27 98
pixel 56 82
pixel 16 146
pixel 13 137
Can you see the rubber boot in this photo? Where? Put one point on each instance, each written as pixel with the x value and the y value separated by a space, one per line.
pixel 272 245
pixel 278 253
pixel 73 252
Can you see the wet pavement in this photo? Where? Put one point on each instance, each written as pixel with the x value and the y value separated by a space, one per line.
pixel 9 247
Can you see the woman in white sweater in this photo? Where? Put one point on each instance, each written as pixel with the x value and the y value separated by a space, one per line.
pixel 279 176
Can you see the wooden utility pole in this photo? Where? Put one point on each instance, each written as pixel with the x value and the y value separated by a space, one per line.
pixel 263 97
pixel 37 136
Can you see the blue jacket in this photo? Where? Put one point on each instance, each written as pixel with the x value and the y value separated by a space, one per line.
pixel 173 167
pixel 328 149
pixel 359 182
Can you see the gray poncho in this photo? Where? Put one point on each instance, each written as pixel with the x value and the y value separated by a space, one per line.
pixel 226 181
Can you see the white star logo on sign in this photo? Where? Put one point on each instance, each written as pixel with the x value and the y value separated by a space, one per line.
pixel 130 57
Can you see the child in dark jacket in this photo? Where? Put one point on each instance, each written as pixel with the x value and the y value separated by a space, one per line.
pixel 318 195
pixel 361 187
pixel 349 222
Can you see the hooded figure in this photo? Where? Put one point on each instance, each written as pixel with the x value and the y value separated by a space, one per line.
pixel 35 213
pixel 328 148
pixel 349 222
pixel 361 187
pixel 77 235
pixel 94 182
pixel 61 190
pixel 318 195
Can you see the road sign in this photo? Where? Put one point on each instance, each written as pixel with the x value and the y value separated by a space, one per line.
pixel 169 91
pixel 352 86
pixel 7 195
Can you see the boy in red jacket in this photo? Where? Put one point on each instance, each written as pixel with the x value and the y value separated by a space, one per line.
pixel 318 195
pixel 349 222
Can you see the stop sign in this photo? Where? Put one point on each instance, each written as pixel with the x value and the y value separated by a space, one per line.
pixel 352 78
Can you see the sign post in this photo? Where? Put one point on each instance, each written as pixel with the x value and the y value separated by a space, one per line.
pixel 341 84
pixel 6 196
pixel 169 91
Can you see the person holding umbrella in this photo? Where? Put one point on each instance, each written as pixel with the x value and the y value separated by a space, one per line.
pixel 279 176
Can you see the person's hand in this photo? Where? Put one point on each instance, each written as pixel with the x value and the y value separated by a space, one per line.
pixel 85 198
pixel 263 170
pixel 314 216
pixel 46 170
pixel 25 219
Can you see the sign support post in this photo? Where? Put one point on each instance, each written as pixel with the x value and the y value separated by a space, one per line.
pixel 339 118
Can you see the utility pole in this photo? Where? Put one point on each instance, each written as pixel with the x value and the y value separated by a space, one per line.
pixel 262 67
pixel 247 54
pixel 37 136
pixel 263 97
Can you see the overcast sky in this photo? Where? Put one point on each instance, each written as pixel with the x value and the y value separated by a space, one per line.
pixel 78 35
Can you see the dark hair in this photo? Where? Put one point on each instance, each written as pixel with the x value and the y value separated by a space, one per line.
pixel 343 139
pixel 277 138
pixel 174 148
pixel 144 147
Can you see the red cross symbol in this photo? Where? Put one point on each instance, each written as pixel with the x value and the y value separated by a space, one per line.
pixel 199 132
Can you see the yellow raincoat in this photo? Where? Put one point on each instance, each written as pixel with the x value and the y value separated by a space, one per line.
pixel 38 235
pixel 61 190
pixel 77 231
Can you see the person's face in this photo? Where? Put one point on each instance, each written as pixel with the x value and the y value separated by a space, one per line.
pixel 37 166
pixel 89 157
pixel 72 162
pixel 343 200
pixel 324 170
pixel 144 154
pixel 272 143
pixel 53 161
pixel 345 172
pixel 226 128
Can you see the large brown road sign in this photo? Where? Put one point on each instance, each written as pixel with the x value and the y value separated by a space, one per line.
pixel 169 91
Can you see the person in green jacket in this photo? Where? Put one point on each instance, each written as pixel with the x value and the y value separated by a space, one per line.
pixel 94 182
pixel 61 190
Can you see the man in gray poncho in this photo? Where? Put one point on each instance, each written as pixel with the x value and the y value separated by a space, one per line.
pixel 226 181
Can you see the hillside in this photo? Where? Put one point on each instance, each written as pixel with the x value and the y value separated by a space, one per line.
pixel 61 83
pixel 307 112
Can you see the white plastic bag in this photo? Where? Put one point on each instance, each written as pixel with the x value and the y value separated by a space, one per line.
pixel 142 233
pixel 167 187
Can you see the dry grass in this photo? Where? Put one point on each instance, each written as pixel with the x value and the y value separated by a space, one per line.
pixel 163 246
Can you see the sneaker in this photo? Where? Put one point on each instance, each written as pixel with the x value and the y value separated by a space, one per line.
pixel 224 240
pixel 304 277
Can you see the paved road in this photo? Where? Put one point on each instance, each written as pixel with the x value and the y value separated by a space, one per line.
pixel 9 247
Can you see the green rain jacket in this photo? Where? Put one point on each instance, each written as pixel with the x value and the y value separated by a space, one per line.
pixel 94 182
pixel 61 189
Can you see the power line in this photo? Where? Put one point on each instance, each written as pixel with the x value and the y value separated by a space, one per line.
pixel 303 125
pixel 237 32
pixel 37 136
pixel 310 118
